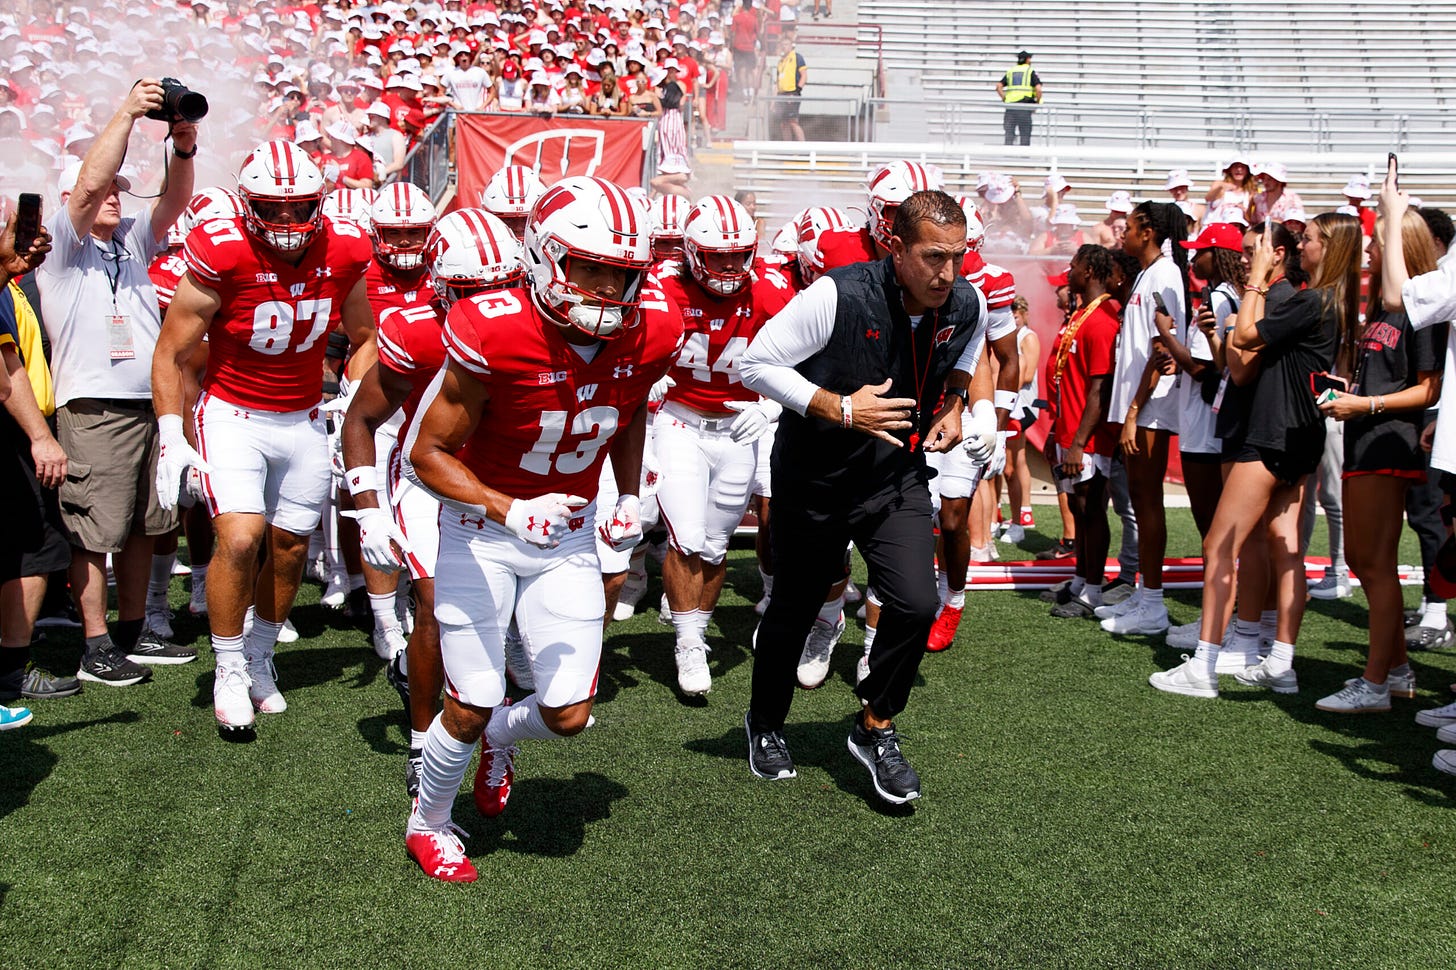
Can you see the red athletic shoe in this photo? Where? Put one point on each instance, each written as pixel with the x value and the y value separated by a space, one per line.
pixel 1027 520
pixel 441 855
pixel 493 778
pixel 944 630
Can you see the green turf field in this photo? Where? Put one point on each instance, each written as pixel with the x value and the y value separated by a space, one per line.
pixel 1073 817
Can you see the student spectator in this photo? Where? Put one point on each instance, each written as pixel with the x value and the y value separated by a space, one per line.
pixel 745 29
pixel 1111 230
pixel 1275 200
pixel 1396 375
pixel 386 144
pixel 1064 237
pixel 607 100
pixel 350 166
pixel 1235 189
pixel 1179 184
pixel 1305 336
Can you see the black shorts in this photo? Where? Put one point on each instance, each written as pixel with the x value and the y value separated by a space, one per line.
pixel 1287 466
pixel 787 108
pixel 1201 458
pixel 54 553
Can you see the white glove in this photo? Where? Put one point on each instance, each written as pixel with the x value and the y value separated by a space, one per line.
pixel 542 521
pixel 378 534
pixel 334 414
pixel 978 432
pixel 194 488
pixel 997 464
pixel 623 530
pixel 174 457
pixel 658 391
pixel 751 424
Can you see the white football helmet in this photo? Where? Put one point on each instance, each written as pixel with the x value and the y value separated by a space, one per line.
pixel 719 225
pixel 511 194
pixel 813 223
pixel 211 203
pixel 785 243
pixel 470 251
pixel 975 228
pixel 350 204
pixel 400 206
pixel 589 220
pixel 668 214
pixel 282 192
pixel 891 184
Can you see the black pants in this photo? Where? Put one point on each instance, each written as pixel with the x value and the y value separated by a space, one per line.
pixel 894 536
pixel 1017 120
pixel 1423 501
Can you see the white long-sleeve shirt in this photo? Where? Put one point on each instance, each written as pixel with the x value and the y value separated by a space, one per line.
pixel 1430 299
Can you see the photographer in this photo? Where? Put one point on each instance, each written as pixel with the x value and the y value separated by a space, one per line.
pixel 101 314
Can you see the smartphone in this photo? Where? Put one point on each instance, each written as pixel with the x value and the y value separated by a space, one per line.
pixel 1158 302
pixel 1394 165
pixel 1321 383
pixel 27 221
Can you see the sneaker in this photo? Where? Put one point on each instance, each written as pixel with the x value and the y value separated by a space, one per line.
pixel 1014 534
pixel 862 668
pixel 65 619
pixel 231 704
pixel 197 603
pixel 263 689
pixel 1334 586
pixel 1073 609
pixel 1236 656
pixel 180 568
pixel 943 632
pixel 1444 760
pixel 1259 676
pixel 878 749
pixel 14 717
pixel 1108 610
pixel 852 593
pixel 1147 620
pixel 397 673
pixel 518 666
pixel 152 649
pixel 158 620
pixel 818 648
pixel 864 611
pixel 336 593
pixel 1446 735
pixel 107 666
pixel 986 553
pixel 761 607
pixel 33 682
pixel 1185 679
pixel 1062 550
pixel 693 677
pixel 493 777
pixel 440 854
pixel 414 763
pixel 388 642
pixel 1358 696
pixel 664 612
pixel 1026 519
pixel 768 755
pixel 631 594
pixel 1402 683
pixel 1437 717
pixel 1052 593
pixel 1421 637
pixel 287 633
pixel 1117 591
pixel 1185 636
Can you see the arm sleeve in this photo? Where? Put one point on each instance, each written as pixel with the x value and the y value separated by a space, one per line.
pixel 1429 298
pixel 797 332
pixel 971 356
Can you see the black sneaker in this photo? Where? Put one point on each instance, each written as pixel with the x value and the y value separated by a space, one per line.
pixel 152 649
pixel 398 678
pixel 1073 609
pixel 1052 593
pixel 33 682
pixel 878 749
pixel 768 755
pixel 413 765
pixel 1062 550
pixel 106 665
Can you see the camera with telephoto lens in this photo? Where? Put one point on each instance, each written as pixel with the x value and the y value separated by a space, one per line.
pixel 179 103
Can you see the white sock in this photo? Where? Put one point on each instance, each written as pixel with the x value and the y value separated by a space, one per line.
pixel 228 650
pixel 1153 597
pixel 704 617
pixel 1246 629
pixel 161 577
pixel 767 583
pixel 199 577
pixel 513 723
pixel 1403 670
pixel 1205 658
pixel 957 599
pixel 1268 624
pixel 685 625
pixel 942 586
pixel 356 581
pixel 869 639
pixel 1281 657
pixel 382 605
pixel 417 739
pixel 262 637
pixel 830 611
pixel 1078 584
pixel 1091 595
pixel 1433 615
pixel 443 768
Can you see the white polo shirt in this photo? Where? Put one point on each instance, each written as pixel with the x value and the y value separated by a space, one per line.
pixel 84 284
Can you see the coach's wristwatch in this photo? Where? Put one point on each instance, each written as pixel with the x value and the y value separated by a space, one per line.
pixel 963 393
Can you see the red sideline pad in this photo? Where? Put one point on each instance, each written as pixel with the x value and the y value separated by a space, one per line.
pixel 1177 573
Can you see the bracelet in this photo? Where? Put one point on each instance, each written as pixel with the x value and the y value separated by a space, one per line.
pixel 1254 289
pixel 1372 405
pixel 1382 405
pixel 184 155
pixel 846 412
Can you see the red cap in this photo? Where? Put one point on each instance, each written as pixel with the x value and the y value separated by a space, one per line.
pixel 1219 235
pixel 1060 279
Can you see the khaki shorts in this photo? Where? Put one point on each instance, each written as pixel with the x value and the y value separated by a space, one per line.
pixel 110 490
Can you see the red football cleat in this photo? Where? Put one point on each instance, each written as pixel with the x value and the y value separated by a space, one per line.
pixel 493 778
pixel 944 630
pixel 441 855
pixel 1026 519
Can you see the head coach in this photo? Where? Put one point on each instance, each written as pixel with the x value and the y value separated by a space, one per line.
pixel 861 361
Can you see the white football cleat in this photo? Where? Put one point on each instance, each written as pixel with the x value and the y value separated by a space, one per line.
pixel 693 677
pixel 818 648
pixel 263 690
pixel 337 592
pixel 231 704
pixel 388 642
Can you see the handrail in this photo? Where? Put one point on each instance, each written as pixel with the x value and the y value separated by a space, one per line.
pixel 849 35
pixel 427 164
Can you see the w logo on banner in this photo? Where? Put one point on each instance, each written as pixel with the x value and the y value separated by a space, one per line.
pixel 559 152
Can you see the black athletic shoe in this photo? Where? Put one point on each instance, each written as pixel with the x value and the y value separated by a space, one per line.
pixel 878 749
pixel 398 678
pixel 1052 594
pixel 152 649
pixel 413 765
pixel 106 665
pixel 33 682
pixel 768 755
pixel 357 607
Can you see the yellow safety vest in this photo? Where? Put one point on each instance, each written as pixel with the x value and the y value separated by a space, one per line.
pixel 789 73
pixel 1016 85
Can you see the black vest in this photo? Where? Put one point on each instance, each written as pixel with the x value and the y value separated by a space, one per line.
pixel 820 464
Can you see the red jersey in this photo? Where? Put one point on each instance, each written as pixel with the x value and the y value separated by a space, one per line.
pixel 411 344
pixel 166 271
pixel 1085 349
pixel 995 283
pixel 390 288
pixel 269 336
pixel 552 414
pixel 718 330
pixel 841 247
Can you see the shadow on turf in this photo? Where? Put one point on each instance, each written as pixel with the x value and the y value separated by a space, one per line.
pixel 301 667
pixel 29 761
pixel 547 816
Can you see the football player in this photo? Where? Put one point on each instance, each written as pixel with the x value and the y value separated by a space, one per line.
pixel 887 187
pixel 541 384
pixel 705 432
pixel 265 290
pixel 468 252
pixel 668 213
pixel 510 195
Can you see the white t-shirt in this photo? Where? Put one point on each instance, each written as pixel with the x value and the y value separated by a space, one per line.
pixel 89 353
pixel 1135 343
pixel 1431 299
pixel 467 87
pixel 1196 420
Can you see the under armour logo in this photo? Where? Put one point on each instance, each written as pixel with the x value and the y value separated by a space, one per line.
pixel 743 311
pixel 445 870
pixel 625 370
pixel 479 523
pixel 545 525
pixel 324 271
pixel 872 335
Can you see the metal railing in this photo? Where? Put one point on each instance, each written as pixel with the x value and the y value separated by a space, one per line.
pixel 867 39
pixel 427 164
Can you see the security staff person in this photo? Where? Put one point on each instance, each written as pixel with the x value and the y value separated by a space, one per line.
pixel 861 361
pixel 1018 88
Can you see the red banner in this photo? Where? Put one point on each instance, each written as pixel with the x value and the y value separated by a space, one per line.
pixel 554 147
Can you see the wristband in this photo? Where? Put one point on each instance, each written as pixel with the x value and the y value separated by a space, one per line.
pixel 362 478
pixel 1006 400
pixel 846 412
pixel 169 422
pixel 184 155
